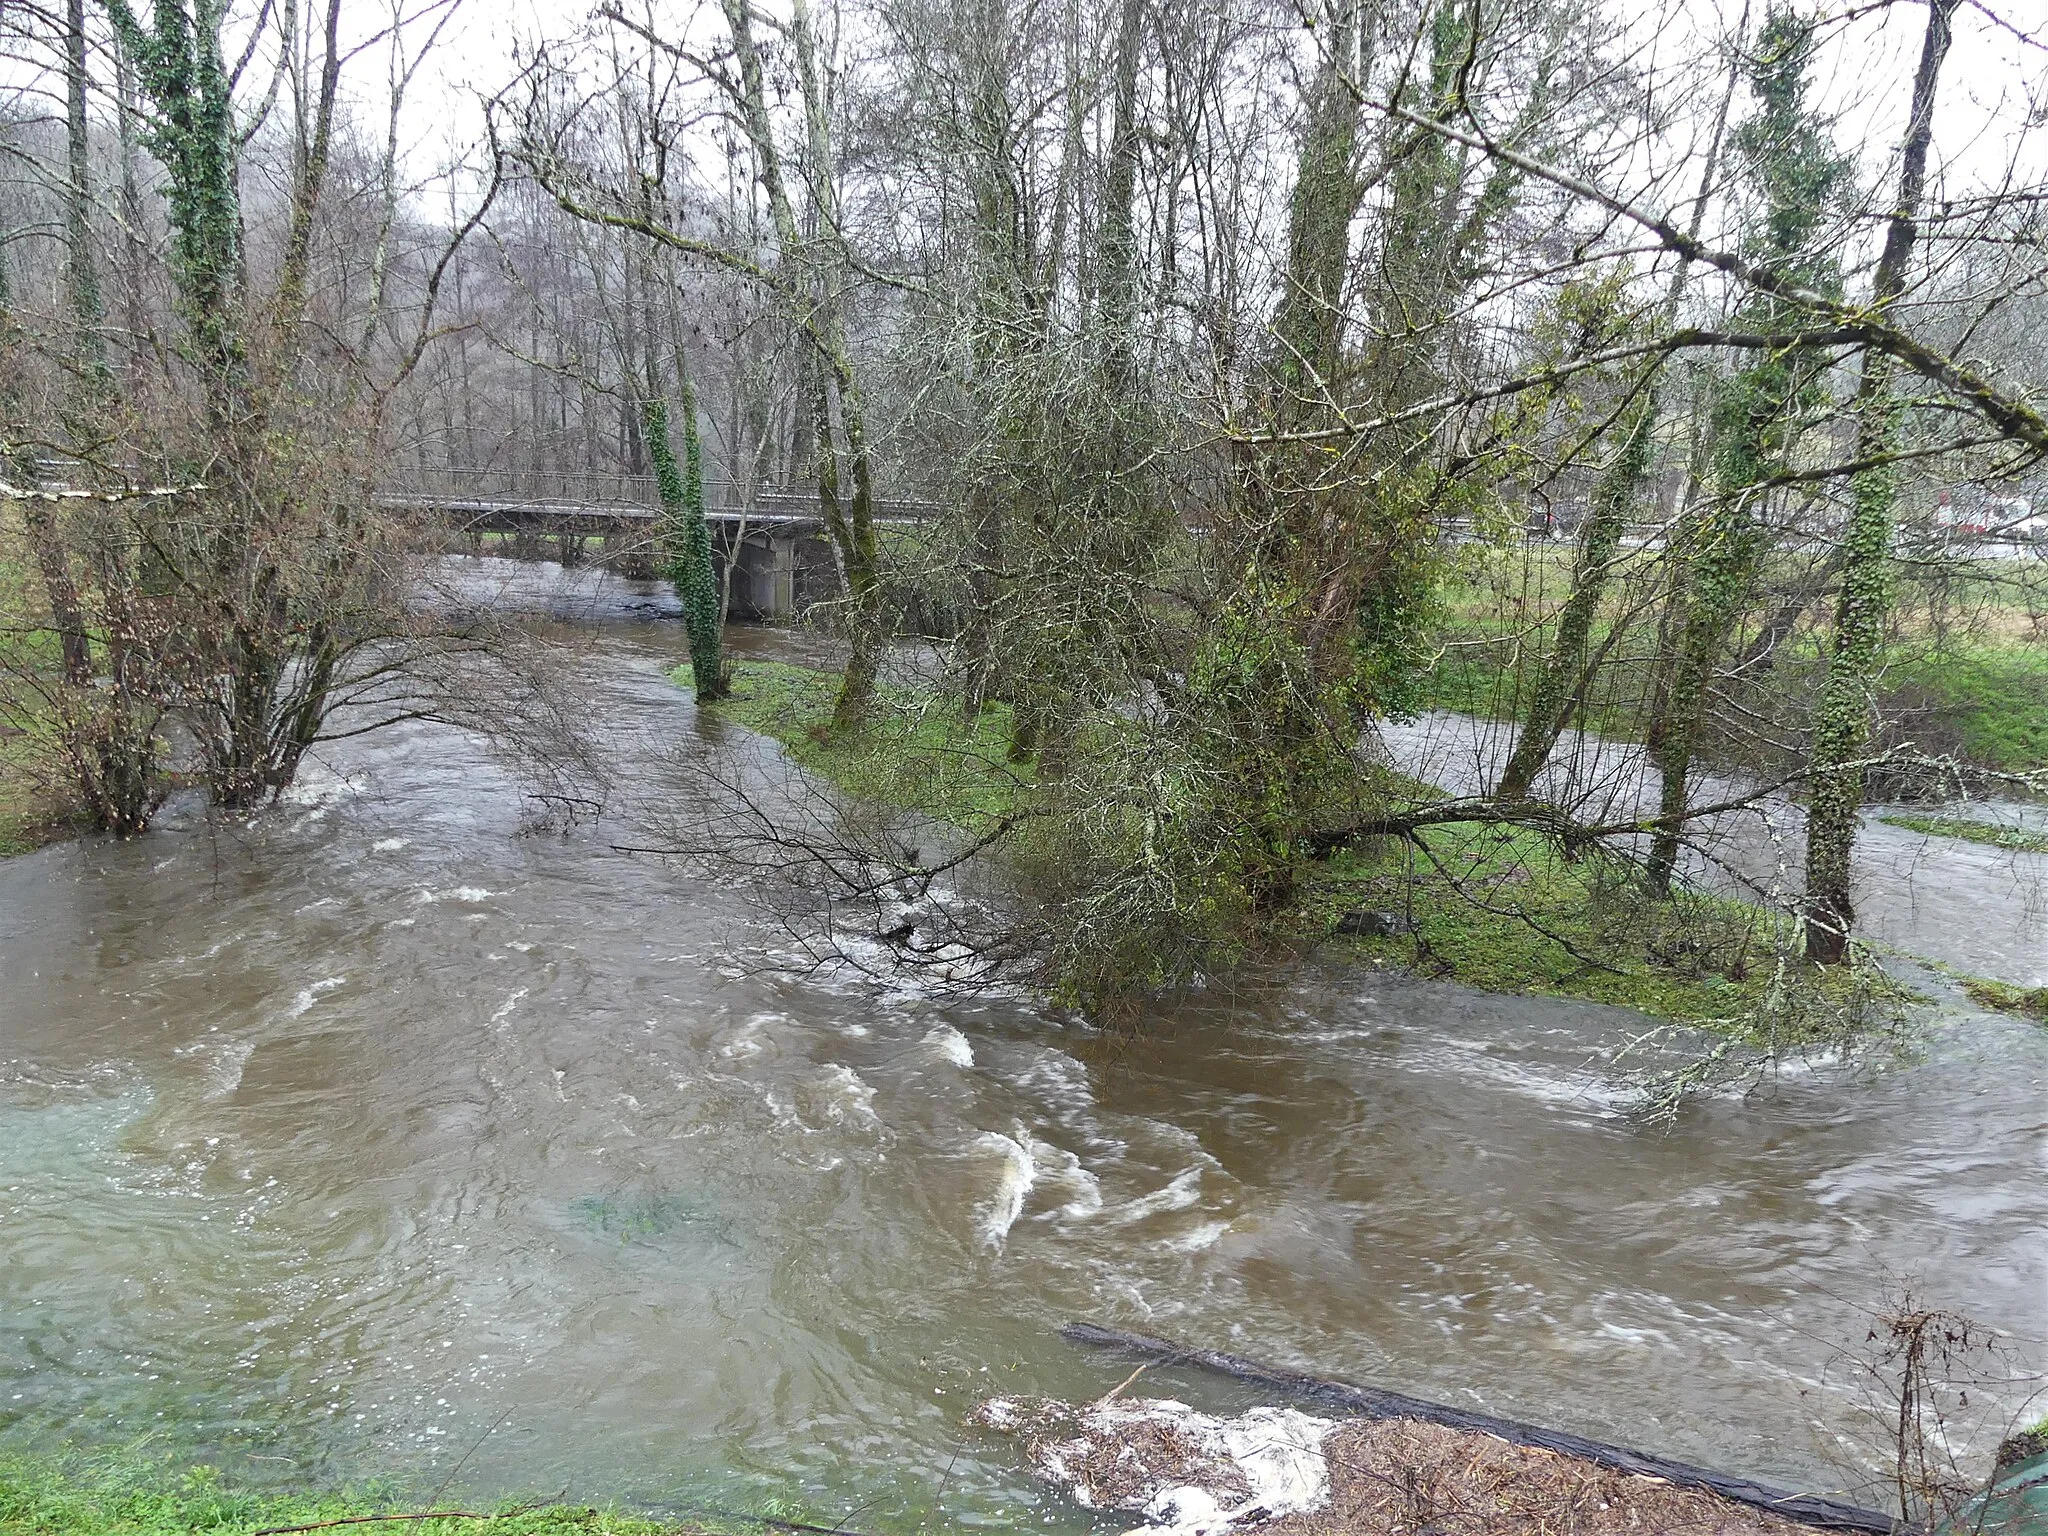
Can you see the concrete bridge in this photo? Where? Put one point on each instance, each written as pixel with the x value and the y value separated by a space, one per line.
pixel 781 559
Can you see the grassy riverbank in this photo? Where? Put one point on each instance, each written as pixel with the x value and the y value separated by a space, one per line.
pixel 136 1496
pixel 29 815
pixel 2004 997
pixel 1498 910
pixel 1966 678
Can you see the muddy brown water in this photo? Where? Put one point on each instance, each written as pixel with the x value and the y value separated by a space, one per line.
pixel 380 1137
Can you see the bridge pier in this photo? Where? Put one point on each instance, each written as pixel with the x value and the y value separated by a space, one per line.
pixel 776 572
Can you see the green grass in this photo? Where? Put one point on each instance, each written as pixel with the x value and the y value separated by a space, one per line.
pixel 1503 911
pixel 1990 702
pixel 1987 832
pixel 131 1495
pixel 916 752
pixel 1540 924
pixel 1984 701
pixel 29 817
pixel 2004 997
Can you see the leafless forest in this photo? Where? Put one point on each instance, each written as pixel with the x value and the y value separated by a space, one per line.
pixel 1266 375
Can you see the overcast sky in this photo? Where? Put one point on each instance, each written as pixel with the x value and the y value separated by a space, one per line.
pixel 1993 111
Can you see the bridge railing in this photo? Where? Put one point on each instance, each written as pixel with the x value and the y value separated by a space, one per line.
pixel 459 486
pixel 569 487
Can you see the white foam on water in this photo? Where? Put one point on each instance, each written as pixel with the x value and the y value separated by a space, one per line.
pixel 319 792
pixel 1562 1089
pixel 1196 1238
pixel 1060 1082
pixel 847 1093
pixel 1013 1183
pixel 1182 1192
pixel 950 1044
pixel 746 1040
pixel 505 1008
pixel 309 995
pixel 387 845
pixel 1058 1169
pixel 228 1067
pixel 469 893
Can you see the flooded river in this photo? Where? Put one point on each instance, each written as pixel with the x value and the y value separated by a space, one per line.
pixel 382 1137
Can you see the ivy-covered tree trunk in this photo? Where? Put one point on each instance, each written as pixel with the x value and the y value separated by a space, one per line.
pixel 1792 165
pixel 1729 544
pixel 686 539
pixel 255 567
pixel 181 70
pixel 1841 732
pixel 1841 729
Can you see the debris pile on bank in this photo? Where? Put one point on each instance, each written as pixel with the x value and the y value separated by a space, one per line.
pixel 1189 1473
pixel 1277 1472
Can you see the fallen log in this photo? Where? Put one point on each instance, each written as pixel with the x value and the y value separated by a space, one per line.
pixel 1377 1403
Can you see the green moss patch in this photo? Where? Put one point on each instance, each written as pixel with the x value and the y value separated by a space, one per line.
pixel 1504 911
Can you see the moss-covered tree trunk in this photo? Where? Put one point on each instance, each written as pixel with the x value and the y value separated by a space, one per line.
pixel 849 516
pixel 1791 164
pixel 1841 731
pixel 686 538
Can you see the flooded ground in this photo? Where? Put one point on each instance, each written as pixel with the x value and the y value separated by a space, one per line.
pixel 381 1136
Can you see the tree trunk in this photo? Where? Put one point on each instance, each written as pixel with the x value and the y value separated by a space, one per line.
pixel 1792 163
pixel 81 272
pixel 1557 685
pixel 818 284
pixel 686 539
pixel 1842 729
pixel 1564 669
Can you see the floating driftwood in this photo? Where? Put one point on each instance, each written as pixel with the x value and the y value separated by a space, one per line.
pixel 1373 1402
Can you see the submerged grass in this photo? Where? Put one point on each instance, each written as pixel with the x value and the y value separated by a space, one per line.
pixel 2004 997
pixel 1994 834
pixel 135 1495
pixel 1494 909
pixel 1505 911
